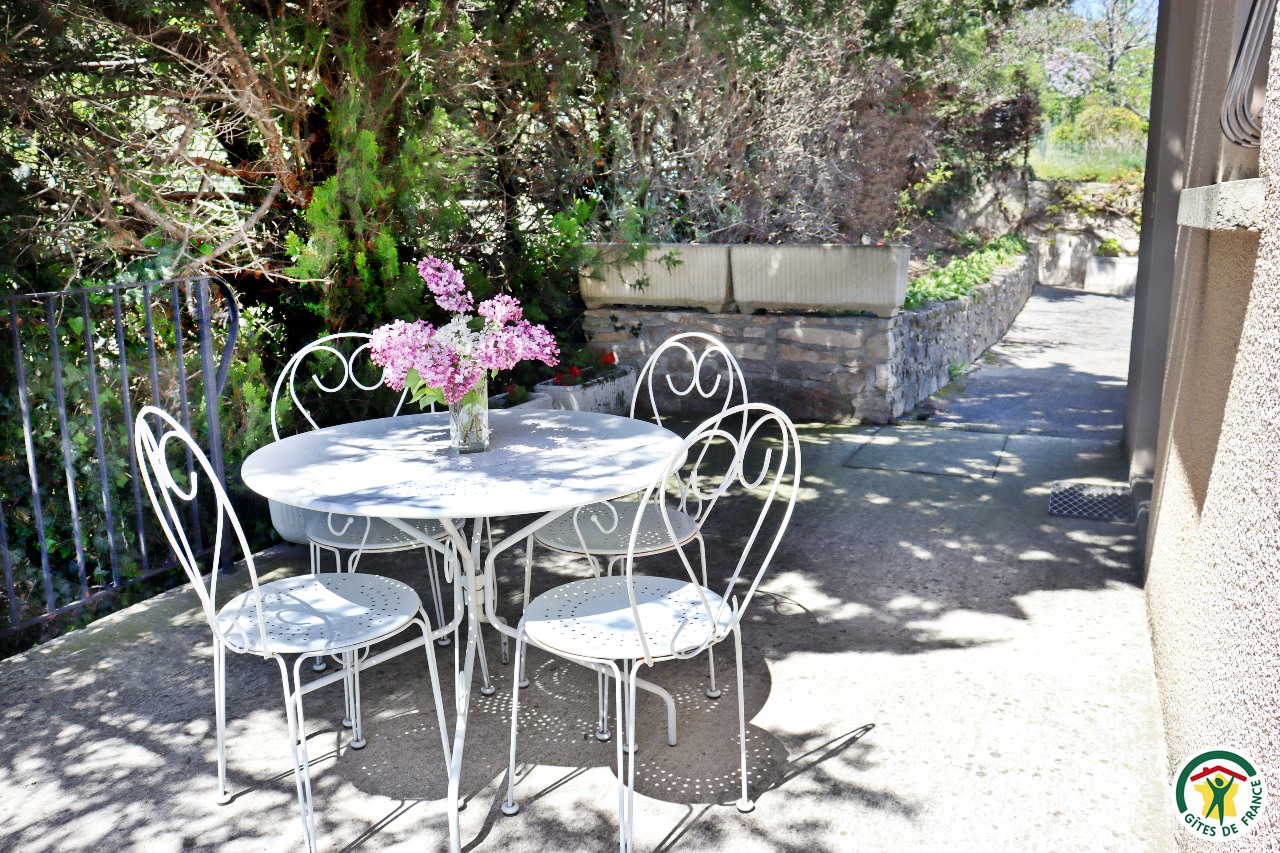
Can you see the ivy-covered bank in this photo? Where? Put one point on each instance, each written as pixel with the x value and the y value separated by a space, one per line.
pixel 817 367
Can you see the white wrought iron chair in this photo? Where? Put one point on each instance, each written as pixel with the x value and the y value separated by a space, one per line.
pixel 331 532
pixel 337 614
pixel 616 624
pixel 604 529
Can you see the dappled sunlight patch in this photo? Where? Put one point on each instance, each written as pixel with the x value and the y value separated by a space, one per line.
pixel 912 602
pixel 916 551
pixel 966 628
pixel 788 589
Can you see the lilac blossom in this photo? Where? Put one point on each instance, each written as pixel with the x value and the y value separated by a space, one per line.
pixel 501 309
pixel 446 284
pixel 395 348
pixel 454 358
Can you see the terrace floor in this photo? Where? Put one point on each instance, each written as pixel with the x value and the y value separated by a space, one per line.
pixel 934 663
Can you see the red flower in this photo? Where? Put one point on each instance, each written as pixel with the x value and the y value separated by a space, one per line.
pixel 609 359
pixel 574 372
pixel 559 380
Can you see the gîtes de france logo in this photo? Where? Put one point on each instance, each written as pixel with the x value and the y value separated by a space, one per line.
pixel 1219 794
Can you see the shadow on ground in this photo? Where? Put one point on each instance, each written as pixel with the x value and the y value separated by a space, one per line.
pixel 924 645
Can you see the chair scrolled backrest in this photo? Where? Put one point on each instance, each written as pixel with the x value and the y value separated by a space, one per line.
pixel 347 374
pixel 769 441
pixel 700 352
pixel 170 499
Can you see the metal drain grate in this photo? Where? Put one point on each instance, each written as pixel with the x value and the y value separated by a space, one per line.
pixel 1089 500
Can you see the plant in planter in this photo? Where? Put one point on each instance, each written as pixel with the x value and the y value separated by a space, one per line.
pixel 665 274
pixel 519 397
pixel 591 383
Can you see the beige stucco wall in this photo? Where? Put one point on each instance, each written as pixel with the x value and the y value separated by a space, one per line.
pixel 1213 580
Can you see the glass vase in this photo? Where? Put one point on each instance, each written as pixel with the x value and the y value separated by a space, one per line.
pixel 469 420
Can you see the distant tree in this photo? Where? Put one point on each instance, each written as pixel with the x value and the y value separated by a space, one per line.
pixel 1121 34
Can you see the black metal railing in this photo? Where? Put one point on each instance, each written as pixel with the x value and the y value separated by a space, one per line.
pixel 74 527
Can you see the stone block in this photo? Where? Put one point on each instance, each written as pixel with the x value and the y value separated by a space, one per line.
pixel 801 333
pixel 881 346
pixel 788 352
pixel 757 352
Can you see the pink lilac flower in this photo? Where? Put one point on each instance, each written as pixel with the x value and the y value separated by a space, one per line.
pixel 536 343
pixel 455 376
pixel 394 347
pixel 453 358
pixel 446 284
pixel 501 309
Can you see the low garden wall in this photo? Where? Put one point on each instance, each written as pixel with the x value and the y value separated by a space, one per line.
pixel 833 368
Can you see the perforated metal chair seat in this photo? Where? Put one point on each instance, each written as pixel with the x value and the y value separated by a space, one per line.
pixel 652 537
pixel 316 613
pixel 592 618
pixel 383 536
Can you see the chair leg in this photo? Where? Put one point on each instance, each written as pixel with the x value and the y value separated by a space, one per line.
pixel 298 748
pixel 602 701
pixel 348 692
pixel 436 695
pixel 486 686
pixel 220 716
pixel 745 804
pixel 510 806
pixel 625 735
pixel 713 692
pixel 318 665
pixel 357 725
pixel 433 578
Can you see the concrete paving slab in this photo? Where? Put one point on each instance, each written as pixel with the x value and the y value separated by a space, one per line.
pixel 925 450
pixel 934 663
pixel 1060 370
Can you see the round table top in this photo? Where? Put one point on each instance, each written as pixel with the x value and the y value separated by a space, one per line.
pixel 538 461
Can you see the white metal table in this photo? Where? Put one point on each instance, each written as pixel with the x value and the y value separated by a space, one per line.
pixel 539 462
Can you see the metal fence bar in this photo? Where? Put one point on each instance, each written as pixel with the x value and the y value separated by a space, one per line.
pixel 99 575
pixel 60 395
pixel 127 401
pixel 36 504
pixel 184 407
pixel 91 359
pixel 6 562
pixel 151 345
pixel 209 379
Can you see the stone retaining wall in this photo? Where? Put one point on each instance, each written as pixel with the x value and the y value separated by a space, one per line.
pixel 816 367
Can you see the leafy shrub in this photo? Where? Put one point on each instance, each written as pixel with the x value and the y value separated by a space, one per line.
pixel 1098 125
pixel 962 275
pixel 1110 248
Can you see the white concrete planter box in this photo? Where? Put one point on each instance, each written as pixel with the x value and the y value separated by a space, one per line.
pixel 699 280
pixel 826 278
pixel 536 400
pixel 1115 276
pixel 610 394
